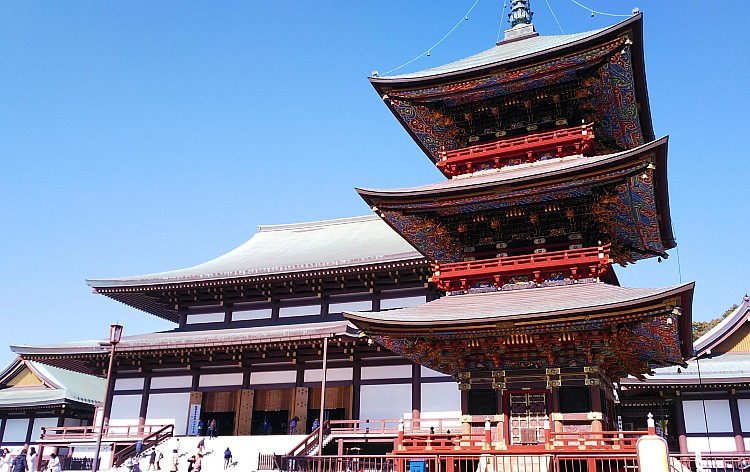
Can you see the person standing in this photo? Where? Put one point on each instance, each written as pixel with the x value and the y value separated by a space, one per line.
pixel 212 429
pixel 5 461
pixel 158 460
pixel 19 463
pixel 200 427
pixel 315 424
pixel 293 425
pixel 31 459
pixel 152 459
pixel 138 447
pixel 227 458
pixel 53 465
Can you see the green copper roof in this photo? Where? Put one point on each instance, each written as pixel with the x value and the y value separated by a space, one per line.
pixel 62 386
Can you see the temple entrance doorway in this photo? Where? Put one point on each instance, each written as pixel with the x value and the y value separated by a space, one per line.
pixel 271 409
pixel 526 413
pixel 220 406
pixel 338 405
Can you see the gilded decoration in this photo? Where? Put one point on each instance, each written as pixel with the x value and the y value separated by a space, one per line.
pixel 630 346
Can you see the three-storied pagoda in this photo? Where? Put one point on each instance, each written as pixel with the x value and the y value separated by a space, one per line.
pixel 553 175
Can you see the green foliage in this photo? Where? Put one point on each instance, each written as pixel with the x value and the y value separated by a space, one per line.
pixel 702 327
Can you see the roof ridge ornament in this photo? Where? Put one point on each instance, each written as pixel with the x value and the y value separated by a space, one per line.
pixel 520 21
pixel 520 13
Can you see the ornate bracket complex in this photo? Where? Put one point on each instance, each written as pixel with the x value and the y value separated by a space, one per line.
pixel 590 262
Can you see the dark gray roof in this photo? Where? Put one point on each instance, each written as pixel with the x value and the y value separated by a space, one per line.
pixel 524 304
pixel 289 248
pixel 508 52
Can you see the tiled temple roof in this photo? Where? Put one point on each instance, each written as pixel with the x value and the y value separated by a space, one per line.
pixel 280 249
pixel 571 165
pixel 525 304
pixel 61 386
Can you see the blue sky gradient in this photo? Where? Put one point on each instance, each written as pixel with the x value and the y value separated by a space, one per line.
pixel 145 136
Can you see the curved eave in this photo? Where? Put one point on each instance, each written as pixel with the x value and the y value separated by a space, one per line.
pixel 724 329
pixel 396 320
pixel 484 182
pixel 384 85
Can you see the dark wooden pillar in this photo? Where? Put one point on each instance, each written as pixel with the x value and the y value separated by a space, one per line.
pixel 325 306
pixel 3 422
pixel 228 309
pixel 464 402
pixel 734 411
pixel 275 309
pixel 196 381
pixel 144 402
pixel 679 418
pixel 30 427
pixel 376 296
pixel 182 314
pixel 416 391
pixel 356 387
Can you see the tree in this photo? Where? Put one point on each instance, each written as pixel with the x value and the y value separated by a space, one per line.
pixel 702 327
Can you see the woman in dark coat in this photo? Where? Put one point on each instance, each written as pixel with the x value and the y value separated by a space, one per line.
pixel 19 462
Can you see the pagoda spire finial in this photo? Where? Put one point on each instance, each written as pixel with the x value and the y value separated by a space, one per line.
pixel 520 21
pixel 520 12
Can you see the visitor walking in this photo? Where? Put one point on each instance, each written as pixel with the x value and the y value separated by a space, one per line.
pixel 5 461
pixel 198 463
pixel 159 457
pixel 138 448
pixel 19 462
pixel 315 424
pixel 212 429
pixel 200 427
pixel 293 425
pixel 191 463
pixel 227 458
pixel 151 459
pixel 175 461
pixel 201 446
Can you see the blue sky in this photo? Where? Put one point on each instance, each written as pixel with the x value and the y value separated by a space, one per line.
pixel 144 136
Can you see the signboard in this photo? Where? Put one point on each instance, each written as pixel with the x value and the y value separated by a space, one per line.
pixel 653 455
pixel 194 416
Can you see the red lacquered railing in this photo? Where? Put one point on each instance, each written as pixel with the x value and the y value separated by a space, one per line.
pixel 497 154
pixel 573 263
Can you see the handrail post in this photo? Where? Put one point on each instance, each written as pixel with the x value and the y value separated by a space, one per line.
pixel 547 433
pixel 401 434
pixel 487 435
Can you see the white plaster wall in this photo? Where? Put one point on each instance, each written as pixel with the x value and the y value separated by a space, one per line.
pixel 166 408
pixel 182 381
pixel 717 414
pixel 129 384
pixel 719 445
pixel 443 397
pixel 384 401
pixel 15 429
pixel 251 314
pixel 265 378
pixel 40 423
pixel 307 310
pixel 429 373
pixel 403 302
pixel 125 409
pixel 220 380
pixel 364 305
pixel 339 374
pixel 386 372
pixel 205 318
pixel 744 407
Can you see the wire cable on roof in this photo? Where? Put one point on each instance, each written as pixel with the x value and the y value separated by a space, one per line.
pixel 500 28
pixel 554 16
pixel 427 52
pixel 597 12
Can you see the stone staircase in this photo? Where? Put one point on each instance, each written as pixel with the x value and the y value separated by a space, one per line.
pixel 245 450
